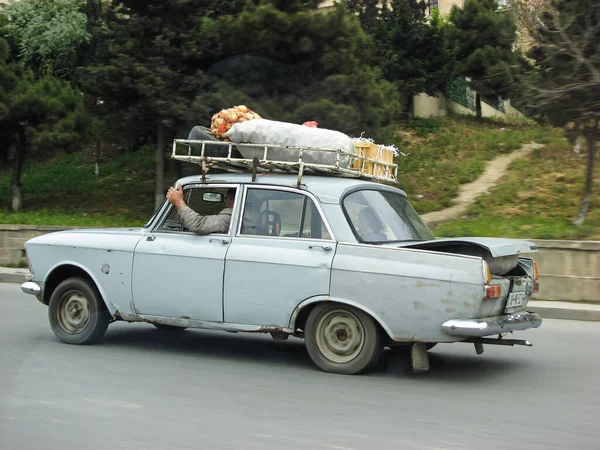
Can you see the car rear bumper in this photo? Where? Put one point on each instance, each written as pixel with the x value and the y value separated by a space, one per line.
pixel 492 325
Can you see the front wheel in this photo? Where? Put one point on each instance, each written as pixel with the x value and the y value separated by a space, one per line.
pixel 77 312
pixel 342 339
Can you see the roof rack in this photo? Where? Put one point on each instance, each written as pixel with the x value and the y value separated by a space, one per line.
pixel 347 164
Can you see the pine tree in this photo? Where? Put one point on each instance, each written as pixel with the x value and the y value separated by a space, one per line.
pixel 412 50
pixel 484 38
pixel 150 70
pixel 299 65
pixel 45 114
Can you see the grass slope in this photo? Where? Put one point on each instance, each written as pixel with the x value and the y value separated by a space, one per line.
pixel 538 198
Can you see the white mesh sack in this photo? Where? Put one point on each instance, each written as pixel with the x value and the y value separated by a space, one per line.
pixel 271 132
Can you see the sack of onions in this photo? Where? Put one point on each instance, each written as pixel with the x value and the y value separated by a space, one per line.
pixel 222 121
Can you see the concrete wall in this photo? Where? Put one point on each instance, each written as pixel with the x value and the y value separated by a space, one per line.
pixel 445 6
pixel 569 270
pixel 426 106
pixel 12 238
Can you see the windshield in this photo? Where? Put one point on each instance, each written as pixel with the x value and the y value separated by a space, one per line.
pixel 382 216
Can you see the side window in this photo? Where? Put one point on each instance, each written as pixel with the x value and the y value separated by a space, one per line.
pixel 270 212
pixel 206 201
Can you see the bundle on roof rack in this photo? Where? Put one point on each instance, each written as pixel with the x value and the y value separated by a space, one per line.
pixel 372 151
pixel 283 134
pixel 222 121
pixel 261 145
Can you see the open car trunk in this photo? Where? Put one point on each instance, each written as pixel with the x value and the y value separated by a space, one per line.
pixel 502 255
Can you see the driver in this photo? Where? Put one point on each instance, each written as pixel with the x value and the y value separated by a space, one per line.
pixel 202 224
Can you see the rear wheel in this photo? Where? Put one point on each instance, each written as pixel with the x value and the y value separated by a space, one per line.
pixel 342 339
pixel 77 312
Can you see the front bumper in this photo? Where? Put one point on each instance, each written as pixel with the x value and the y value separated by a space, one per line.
pixel 492 325
pixel 31 288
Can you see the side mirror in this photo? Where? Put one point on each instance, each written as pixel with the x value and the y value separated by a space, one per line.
pixel 212 197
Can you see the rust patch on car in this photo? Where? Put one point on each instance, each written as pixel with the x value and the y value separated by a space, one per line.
pixel 421 284
pixel 270 329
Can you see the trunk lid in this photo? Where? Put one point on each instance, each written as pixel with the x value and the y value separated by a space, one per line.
pixel 502 255
pixel 497 247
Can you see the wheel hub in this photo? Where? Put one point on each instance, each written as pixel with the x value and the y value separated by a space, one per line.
pixel 340 336
pixel 74 312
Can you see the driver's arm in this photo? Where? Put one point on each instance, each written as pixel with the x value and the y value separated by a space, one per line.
pixel 200 224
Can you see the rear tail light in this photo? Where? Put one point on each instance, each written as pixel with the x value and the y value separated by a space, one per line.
pixel 536 274
pixel 493 291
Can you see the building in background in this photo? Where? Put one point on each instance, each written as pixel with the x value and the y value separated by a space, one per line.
pixel 460 98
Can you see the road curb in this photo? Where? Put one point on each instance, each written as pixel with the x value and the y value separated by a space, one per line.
pixel 565 310
pixel 13 275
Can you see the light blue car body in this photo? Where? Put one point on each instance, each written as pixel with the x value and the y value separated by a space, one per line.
pixel 235 282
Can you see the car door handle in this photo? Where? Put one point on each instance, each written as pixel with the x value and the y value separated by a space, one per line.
pixel 325 247
pixel 221 240
pixel 150 238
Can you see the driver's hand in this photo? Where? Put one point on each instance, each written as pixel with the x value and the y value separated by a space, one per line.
pixel 175 196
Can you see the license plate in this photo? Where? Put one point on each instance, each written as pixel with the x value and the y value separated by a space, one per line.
pixel 515 299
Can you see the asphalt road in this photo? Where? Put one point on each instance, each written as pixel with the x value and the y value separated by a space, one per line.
pixel 145 389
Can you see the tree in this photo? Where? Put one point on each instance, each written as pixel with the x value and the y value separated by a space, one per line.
pixel 298 65
pixel 526 13
pixel 412 51
pixel 484 38
pixel 40 114
pixel 150 69
pixel 48 33
pixel 368 12
pixel 564 85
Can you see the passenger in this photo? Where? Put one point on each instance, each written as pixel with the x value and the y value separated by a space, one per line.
pixel 197 223
pixel 370 228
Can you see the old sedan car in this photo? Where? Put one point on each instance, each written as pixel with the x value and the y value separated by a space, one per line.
pixel 345 263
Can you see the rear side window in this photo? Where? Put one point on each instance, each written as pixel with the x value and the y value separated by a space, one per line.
pixel 271 212
pixel 381 216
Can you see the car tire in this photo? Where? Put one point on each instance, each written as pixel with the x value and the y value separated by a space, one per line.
pixel 342 339
pixel 77 312
pixel 170 328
